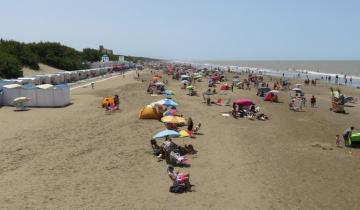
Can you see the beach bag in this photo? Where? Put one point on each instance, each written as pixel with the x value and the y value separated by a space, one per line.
pixel 177 189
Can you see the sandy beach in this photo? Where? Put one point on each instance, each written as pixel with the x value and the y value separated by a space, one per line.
pixel 81 157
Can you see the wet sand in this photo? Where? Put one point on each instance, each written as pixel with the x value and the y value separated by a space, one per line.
pixel 81 157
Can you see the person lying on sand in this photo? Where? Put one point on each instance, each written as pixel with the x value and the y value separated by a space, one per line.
pixel 179 178
pixel 157 150
pixel 177 159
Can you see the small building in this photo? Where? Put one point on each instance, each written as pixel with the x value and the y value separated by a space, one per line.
pixel 105 58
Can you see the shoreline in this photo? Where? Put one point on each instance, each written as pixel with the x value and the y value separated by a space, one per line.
pixel 289 74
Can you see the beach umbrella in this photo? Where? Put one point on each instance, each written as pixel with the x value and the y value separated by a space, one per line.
pixel 190 87
pixel 184 133
pixel 274 91
pixel 159 84
pixel 184 82
pixel 165 133
pixel 169 92
pixel 166 102
pixel 244 102
pixel 156 78
pixel 20 100
pixel 173 120
pixel 297 90
pixel 184 76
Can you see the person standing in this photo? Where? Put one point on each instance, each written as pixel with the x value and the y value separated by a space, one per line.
pixel 190 124
pixel 232 87
pixel 92 85
pixel 117 102
pixel 313 101
pixel 347 134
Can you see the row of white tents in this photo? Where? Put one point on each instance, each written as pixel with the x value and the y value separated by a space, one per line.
pixel 60 77
pixel 39 96
pixel 49 90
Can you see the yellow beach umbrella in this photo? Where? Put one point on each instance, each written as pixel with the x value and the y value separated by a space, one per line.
pixel 184 133
pixel 173 119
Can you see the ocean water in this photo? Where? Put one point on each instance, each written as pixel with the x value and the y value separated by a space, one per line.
pixel 307 69
pixel 331 67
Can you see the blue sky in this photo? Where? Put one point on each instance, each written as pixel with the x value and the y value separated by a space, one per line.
pixel 192 29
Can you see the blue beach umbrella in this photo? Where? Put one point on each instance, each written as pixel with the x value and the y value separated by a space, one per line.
pixel 169 92
pixel 167 102
pixel 164 133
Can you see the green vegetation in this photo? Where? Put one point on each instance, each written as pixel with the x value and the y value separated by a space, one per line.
pixel 10 66
pixel 15 55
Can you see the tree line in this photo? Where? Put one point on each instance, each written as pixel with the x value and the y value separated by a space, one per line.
pixel 16 55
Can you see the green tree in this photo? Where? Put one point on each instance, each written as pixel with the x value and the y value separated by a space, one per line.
pixel 10 67
pixel 91 55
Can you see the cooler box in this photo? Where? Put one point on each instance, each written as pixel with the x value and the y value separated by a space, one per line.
pixel 355 137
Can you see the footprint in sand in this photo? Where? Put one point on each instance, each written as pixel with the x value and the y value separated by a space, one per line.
pixel 322 147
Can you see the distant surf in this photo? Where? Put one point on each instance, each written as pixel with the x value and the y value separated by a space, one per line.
pixel 293 69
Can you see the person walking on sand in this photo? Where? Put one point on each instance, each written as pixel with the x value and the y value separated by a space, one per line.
pixel 232 87
pixel 117 102
pixel 92 85
pixel 313 101
pixel 347 134
pixel 337 140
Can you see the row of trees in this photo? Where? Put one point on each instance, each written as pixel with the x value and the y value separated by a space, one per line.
pixel 15 55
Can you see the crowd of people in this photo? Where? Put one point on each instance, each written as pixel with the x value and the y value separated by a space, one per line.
pixel 168 151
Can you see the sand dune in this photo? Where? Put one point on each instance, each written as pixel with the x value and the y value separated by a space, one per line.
pixel 44 69
pixel 80 157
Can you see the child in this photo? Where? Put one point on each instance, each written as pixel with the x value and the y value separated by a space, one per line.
pixel 337 140
pixel 313 101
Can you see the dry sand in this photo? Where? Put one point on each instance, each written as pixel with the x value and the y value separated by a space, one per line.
pixel 80 157
pixel 44 69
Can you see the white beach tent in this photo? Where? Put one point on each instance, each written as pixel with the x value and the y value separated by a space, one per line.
pixel 41 96
pixel 88 73
pixel 9 93
pixel 29 80
pixel 55 79
pixel 74 76
pixel 103 71
pixel 61 77
pixel 41 79
pixel 65 76
pixel 47 79
pixel 82 74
